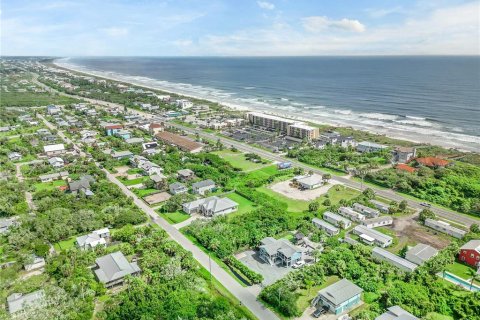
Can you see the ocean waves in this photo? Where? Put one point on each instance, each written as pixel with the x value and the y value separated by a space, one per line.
pixel 411 127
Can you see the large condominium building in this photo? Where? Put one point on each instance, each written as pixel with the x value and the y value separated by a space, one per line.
pixel 291 127
pixel 302 131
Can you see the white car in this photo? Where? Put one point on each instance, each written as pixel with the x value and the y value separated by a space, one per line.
pixel 298 264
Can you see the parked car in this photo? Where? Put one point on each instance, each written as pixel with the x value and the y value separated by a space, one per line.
pixel 320 311
pixel 425 204
pixel 298 264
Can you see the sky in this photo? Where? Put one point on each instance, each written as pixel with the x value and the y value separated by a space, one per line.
pixel 239 27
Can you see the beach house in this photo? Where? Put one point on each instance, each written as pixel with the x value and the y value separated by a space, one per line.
pixel 339 297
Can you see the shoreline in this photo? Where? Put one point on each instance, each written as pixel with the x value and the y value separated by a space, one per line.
pixel 387 132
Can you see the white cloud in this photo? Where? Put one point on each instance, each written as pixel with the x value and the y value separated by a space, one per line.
pixel 321 23
pixel 266 5
pixel 115 31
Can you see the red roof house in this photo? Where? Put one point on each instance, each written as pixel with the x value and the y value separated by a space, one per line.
pixel 432 162
pixel 470 253
pixel 405 167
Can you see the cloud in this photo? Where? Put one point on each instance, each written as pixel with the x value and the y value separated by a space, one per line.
pixel 382 12
pixel 115 32
pixel 321 23
pixel 266 5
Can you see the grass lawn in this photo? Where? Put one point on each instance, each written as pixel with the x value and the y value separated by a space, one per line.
pixel 133 181
pixel 144 192
pixel 306 295
pixel 245 205
pixel 134 171
pixel 300 205
pixel 461 270
pixel 49 185
pixel 174 217
pixel 65 244
pixel 237 159
pixel 30 99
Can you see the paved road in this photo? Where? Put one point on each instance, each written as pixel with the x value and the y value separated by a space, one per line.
pixel 243 294
pixel 385 193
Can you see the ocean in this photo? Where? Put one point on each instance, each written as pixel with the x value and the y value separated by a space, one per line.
pixel 423 98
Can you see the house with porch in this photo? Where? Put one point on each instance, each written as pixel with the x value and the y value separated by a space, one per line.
pixel 93 239
pixel 279 252
pixel 339 297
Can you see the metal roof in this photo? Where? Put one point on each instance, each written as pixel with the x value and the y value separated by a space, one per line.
pixel 340 291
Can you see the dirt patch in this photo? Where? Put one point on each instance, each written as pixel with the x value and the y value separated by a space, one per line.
pixel 408 230
pixel 285 189
pixel 157 198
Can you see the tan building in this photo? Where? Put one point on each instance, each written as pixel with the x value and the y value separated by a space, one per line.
pixel 302 131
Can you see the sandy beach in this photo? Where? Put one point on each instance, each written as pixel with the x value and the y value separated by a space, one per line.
pixel 417 135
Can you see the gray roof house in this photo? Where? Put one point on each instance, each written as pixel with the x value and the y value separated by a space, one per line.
pixel 351 214
pixel 185 174
pixel 37 263
pixel 378 222
pixel 279 251
pixel 336 219
pixel 445 228
pixel 122 154
pixel 203 186
pixel 93 239
pixel 211 206
pixel 383 207
pixel 371 236
pixel 14 156
pixel 367 211
pixel 53 176
pixel 82 185
pixel 396 313
pixel 421 253
pixel 325 226
pixel 56 162
pixel 177 188
pixel 393 259
pixel 339 297
pixel 18 301
pixel 113 268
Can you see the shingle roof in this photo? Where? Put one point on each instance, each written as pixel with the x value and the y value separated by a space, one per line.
pixel 396 313
pixel 204 183
pixel 340 291
pixel 114 266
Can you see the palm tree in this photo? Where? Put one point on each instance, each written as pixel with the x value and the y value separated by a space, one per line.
pixel 475 276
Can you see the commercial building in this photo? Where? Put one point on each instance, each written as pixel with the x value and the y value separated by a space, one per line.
pixel 339 297
pixel 445 228
pixel 393 259
pixel 54 149
pixel 310 182
pixel 180 142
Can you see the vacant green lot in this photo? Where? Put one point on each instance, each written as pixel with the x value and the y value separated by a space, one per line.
pixel 174 217
pixel 244 205
pixel 31 99
pixel 237 159
pixel 144 192
pixel 65 244
pixel 335 194
pixel 49 185
pixel 134 181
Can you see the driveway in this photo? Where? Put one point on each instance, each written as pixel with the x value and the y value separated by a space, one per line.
pixel 270 273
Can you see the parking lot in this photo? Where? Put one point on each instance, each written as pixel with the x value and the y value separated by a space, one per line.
pixel 270 273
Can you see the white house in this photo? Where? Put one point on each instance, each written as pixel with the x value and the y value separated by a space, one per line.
pixel 211 206
pixel 203 186
pixel 54 149
pixel 310 182
pixel 94 239
pixel 366 146
pixel 56 162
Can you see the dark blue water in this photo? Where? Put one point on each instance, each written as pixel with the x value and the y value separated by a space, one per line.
pixel 409 97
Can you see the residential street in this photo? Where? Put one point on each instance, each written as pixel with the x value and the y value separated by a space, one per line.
pixel 386 193
pixel 243 294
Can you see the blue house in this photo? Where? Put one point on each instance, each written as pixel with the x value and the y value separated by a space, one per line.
pixel 339 297
pixel 124 134
pixel 279 252
pixel 111 129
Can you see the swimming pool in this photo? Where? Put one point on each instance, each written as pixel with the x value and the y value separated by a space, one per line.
pixel 459 281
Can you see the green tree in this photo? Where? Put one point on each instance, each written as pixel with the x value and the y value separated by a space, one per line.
pixel 426 214
pixel 313 206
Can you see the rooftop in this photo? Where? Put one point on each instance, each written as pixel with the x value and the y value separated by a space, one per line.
pixel 340 291
pixel 114 266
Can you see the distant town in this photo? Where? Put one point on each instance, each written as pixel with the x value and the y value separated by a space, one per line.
pixel 125 202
